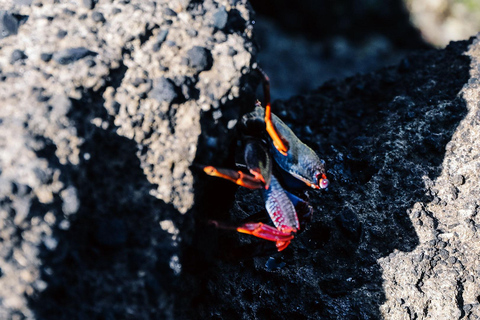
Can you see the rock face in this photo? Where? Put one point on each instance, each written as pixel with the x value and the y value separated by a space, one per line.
pixel 105 107
pixel 395 236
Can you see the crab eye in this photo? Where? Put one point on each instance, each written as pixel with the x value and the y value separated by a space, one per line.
pixel 323 183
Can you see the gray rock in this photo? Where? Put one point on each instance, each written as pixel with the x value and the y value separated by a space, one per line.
pixel 72 55
pixel 95 167
pixel 220 18
pixel 8 24
pixel 98 17
pixel 199 58
pixel 164 91
pixel 17 55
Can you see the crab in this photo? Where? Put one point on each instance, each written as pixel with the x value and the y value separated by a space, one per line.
pixel 280 165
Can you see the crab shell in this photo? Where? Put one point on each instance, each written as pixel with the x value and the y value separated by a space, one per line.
pixel 301 161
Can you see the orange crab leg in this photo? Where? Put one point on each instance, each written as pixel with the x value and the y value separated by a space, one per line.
pixel 264 231
pixel 238 177
pixel 278 141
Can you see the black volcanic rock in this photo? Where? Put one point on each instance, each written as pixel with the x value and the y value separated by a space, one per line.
pixel 104 214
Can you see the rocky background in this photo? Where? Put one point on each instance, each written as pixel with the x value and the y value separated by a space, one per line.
pixel 106 108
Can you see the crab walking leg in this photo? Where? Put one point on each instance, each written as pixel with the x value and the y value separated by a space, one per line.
pixel 264 231
pixel 238 177
pixel 278 141
pixel 281 211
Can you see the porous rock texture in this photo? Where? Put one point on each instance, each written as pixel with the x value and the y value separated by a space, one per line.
pixel 396 235
pixel 102 107
pixel 107 105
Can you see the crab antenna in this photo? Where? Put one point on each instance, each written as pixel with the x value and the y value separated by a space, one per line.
pixel 278 140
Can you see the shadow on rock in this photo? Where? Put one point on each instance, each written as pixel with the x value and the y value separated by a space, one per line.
pixel 383 136
pixel 114 260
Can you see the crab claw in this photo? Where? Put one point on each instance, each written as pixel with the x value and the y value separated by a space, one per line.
pixel 238 177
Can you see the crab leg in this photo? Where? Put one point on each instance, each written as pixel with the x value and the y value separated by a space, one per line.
pixel 238 177
pixel 266 232
pixel 278 141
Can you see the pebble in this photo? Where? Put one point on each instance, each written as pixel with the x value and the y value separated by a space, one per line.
pixel 162 35
pixel 98 17
pixel 199 58
pixel 444 254
pixel 272 264
pixel 220 18
pixel 61 34
pixel 71 55
pixel 8 24
pixel 88 4
pixel 169 12
pixel 164 91
pixel 17 55
pixel 458 180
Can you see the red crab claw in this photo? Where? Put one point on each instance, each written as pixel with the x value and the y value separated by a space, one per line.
pixel 264 231
pixel 278 141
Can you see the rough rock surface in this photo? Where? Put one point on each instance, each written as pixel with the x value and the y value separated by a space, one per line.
pixel 103 105
pixel 395 236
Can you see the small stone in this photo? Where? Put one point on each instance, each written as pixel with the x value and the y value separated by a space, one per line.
pixel 61 34
pixel 199 58
pixel 272 264
pixel 418 257
pixel 8 24
pixel 162 35
pixel 17 55
pixel 231 124
pixel 220 18
pixel 71 55
pixel 467 307
pixel 452 260
pixel 169 12
pixel 164 91
pixel 98 17
pixel 458 180
pixel 88 4
pixel 192 32
pixel 441 244
pixel 69 12
pixel 444 254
